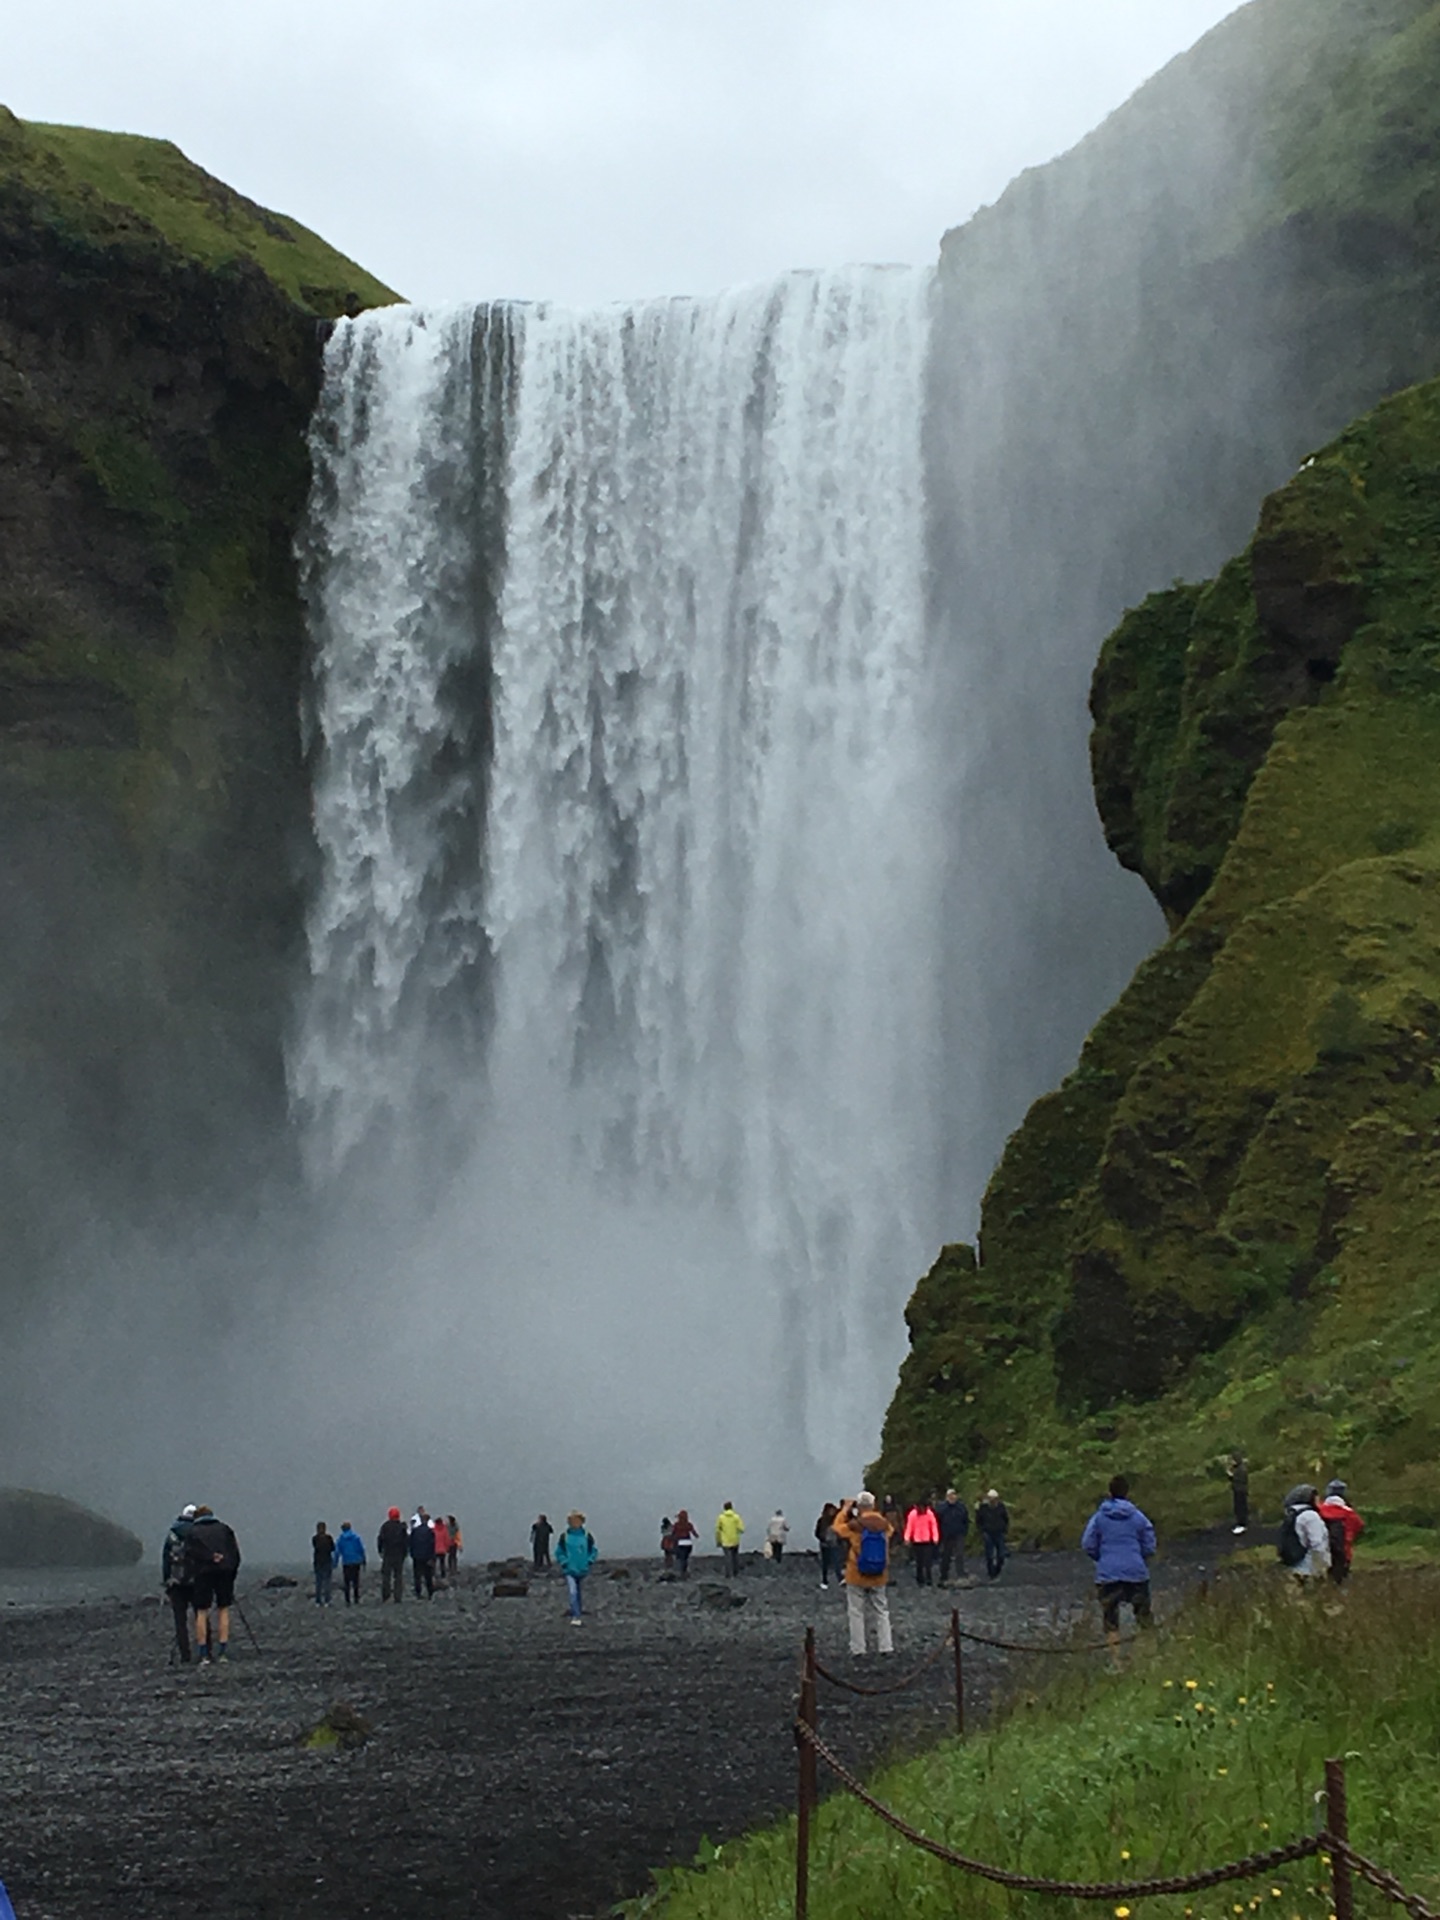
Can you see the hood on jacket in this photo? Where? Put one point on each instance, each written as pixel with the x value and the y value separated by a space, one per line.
pixel 1301 1496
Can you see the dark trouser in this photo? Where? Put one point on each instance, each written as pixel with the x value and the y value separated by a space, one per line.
pixel 682 1558
pixel 542 1559
pixel 425 1570
pixel 1240 1500
pixel 777 1549
pixel 180 1602
pixel 392 1577
pixel 994 1553
pixel 952 1550
pixel 452 1559
pixel 1339 1568
pixel 829 1563
pixel 351 1576
pixel 924 1562
pixel 1114 1594
pixel 323 1577
pixel 732 1560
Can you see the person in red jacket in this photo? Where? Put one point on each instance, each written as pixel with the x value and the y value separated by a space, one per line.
pixel 922 1532
pixel 1344 1526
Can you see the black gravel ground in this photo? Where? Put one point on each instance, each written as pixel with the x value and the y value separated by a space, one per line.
pixel 517 1769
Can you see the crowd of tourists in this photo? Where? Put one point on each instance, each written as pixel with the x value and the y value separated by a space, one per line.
pixel 860 1541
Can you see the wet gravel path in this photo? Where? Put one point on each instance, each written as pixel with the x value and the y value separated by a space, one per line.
pixel 518 1769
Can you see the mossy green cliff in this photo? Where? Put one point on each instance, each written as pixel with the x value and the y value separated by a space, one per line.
pixel 160 346
pixel 1224 1228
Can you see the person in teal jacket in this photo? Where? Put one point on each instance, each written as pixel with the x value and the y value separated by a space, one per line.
pixel 575 1554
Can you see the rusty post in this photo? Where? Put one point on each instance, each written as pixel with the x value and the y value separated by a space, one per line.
pixel 805 1785
pixel 959 1670
pixel 1337 1825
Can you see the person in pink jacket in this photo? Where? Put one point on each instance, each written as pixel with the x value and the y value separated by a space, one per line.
pixel 922 1532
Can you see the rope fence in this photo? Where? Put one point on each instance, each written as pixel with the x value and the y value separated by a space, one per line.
pixel 1332 1844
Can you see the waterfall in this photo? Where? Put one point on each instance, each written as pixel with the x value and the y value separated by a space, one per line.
pixel 629 815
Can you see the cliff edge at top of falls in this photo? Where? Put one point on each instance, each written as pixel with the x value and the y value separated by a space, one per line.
pixel 160 356
pixel 1223 1230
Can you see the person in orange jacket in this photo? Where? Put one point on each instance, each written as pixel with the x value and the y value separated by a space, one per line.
pixel 868 1534
pixel 922 1532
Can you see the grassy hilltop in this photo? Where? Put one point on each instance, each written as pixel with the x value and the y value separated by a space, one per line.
pixel 1224 1228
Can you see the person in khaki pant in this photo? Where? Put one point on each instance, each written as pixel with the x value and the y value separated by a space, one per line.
pixel 867 1570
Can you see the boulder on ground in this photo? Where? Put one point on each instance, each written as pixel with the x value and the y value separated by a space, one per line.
pixel 44 1530
pixel 721 1598
pixel 281 1580
pixel 509 1588
pixel 343 1726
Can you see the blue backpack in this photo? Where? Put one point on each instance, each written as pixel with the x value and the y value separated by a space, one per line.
pixel 874 1551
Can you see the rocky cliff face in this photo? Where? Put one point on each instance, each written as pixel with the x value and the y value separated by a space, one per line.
pixel 1221 1229
pixel 1237 263
pixel 1133 347
pixel 159 357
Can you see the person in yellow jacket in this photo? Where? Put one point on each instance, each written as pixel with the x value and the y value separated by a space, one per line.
pixel 728 1529
pixel 867 1533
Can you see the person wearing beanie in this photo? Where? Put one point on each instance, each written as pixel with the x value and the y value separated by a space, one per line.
pixel 392 1543
pixel 1344 1526
pixel 575 1554
pixel 1121 1541
pixel 176 1578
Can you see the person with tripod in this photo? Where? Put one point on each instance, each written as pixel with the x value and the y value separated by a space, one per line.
pixel 213 1555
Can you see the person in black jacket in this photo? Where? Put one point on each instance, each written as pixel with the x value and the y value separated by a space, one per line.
pixel 540 1544
pixel 175 1577
pixel 213 1554
pixel 322 1562
pixel 993 1521
pixel 954 1518
pixel 422 1552
pixel 392 1543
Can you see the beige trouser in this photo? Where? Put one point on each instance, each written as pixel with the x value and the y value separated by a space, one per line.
pixel 876 1602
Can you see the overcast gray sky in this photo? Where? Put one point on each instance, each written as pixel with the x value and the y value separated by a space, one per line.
pixel 591 150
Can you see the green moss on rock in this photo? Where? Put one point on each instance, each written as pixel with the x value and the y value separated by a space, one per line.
pixel 1215 1229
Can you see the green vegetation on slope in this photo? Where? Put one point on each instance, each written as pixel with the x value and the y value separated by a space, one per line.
pixel 1224 1229
pixel 123 190
pixel 1210 1748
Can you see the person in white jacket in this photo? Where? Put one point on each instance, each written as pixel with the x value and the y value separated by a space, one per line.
pixel 1311 1532
pixel 776 1534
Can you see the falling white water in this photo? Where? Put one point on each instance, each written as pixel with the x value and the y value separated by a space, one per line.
pixel 627 796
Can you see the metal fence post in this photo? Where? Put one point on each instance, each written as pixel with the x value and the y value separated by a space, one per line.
pixel 959 1670
pixel 805 1782
pixel 1337 1825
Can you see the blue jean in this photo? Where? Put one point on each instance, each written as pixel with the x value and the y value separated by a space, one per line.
pixel 829 1562
pixel 994 1553
pixel 323 1577
pixel 573 1584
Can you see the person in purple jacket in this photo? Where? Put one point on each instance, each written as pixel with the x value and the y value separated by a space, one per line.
pixel 1120 1540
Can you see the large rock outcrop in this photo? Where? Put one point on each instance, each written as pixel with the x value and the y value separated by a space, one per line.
pixel 44 1530
pixel 159 358
pixel 1223 1228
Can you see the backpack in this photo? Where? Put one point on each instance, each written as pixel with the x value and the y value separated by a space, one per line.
pixel 211 1544
pixel 874 1552
pixel 1291 1548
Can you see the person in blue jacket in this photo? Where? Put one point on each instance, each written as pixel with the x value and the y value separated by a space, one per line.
pixel 1120 1540
pixel 575 1554
pixel 350 1558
